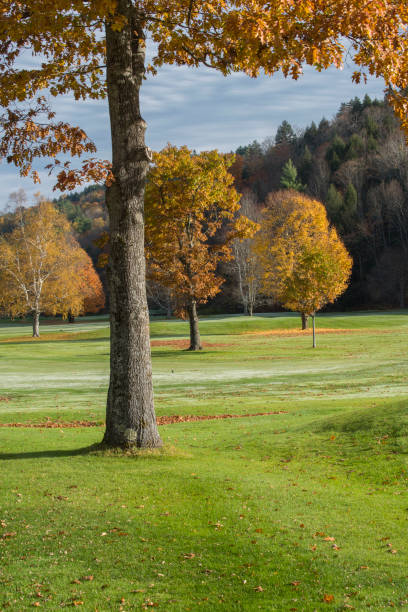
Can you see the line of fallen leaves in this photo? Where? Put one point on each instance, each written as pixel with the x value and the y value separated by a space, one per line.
pixel 163 420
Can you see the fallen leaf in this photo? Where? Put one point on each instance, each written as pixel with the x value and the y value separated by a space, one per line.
pixel 258 588
pixel 328 598
pixel 189 555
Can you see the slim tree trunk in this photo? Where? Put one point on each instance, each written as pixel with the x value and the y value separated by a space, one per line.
pixel 36 324
pixel 71 318
pixel 195 340
pixel 314 330
pixel 130 416
pixel 305 320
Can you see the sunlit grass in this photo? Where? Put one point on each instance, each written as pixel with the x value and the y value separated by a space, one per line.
pixel 302 510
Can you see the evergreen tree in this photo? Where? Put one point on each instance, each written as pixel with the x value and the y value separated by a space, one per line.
pixel 335 153
pixel 350 200
pixel 306 165
pixel 289 178
pixel 371 143
pixel 350 207
pixel 285 133
pixel 355 147
pixel 334 205
pixel 310 135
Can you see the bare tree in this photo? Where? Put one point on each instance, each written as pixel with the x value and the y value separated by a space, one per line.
pixel 246 262
pixel 160 296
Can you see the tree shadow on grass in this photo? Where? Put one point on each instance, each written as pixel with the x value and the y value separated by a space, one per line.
pixel 52 454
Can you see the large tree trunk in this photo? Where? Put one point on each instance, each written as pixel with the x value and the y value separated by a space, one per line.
pixel 36 324
pixel 305 320
pixel 195 340
pixel 130 416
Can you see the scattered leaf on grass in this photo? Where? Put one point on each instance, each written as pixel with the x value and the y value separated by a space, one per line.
pixel 189 555
pixel 258 588
pixel 328 598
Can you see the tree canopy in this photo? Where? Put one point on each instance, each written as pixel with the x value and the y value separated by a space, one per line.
pixel 190 222
pixel 44 270
pixel 65 35
pixel 305 264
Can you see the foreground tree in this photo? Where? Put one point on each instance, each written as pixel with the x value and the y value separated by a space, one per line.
pixel 189 199
pixel 44 270
pixel 305 264
pixel 243 35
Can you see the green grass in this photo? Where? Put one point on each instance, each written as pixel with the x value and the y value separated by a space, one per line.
pixel 308 504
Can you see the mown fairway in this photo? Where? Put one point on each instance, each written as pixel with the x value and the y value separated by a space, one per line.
pixel 305 509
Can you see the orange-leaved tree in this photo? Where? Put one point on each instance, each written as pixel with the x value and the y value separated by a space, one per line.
pixel 190 198
pixel 44 270
pixel 305 264
pixel 67 38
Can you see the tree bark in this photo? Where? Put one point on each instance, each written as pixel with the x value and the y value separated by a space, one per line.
pixel 36 324
pixel 305 320
pixel 130 416
pixel 195 340
pixel 71 318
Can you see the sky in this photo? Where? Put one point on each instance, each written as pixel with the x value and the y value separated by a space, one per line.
pixel 204 110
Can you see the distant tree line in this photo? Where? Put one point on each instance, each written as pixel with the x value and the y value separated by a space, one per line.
pixel 355 164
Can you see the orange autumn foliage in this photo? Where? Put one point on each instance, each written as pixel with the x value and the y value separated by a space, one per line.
pixel 244 35
pixel 43 269
pixel 305 264
pixel 189 199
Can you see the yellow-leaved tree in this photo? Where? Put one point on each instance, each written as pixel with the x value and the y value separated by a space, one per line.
pixel 70 43
pixel 44 270
pixel 190 215
pixel 305 264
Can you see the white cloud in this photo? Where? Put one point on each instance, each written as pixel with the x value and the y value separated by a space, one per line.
pixel 205 110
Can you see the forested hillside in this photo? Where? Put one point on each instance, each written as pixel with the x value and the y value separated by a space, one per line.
pixel 356 164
